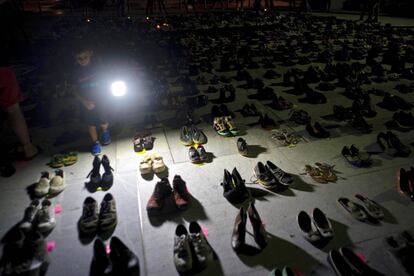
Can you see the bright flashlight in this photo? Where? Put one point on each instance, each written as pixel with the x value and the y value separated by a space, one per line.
pixel 118 88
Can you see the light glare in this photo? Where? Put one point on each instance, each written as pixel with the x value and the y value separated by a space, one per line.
pixel 118 88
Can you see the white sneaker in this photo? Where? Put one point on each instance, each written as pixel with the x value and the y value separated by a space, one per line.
pixel 57 184
pixel 183 259
pixel 145 165
pixel 158 165
pixel 45 218
pixel 42 186
pixel 29 215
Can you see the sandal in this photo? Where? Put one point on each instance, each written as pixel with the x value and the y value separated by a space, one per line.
pixel 316 174
pixel 371 207
pixel 327 171
pixel 355 210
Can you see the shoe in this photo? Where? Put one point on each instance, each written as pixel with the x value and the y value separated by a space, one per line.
pixel 239 230
pixel 234 189
pixel 34 257
pixel 198 136
pixel 181 195
pixel 266 122
pixel 287 271
pixel 355 210
pixel 359 124
pixel 106 137
pixel 358 266
pixel 107 176
pixel 338 263
pixel 138 143
pixel 45 217
pixel 242 147
pixel 95 176
pixel 145 165
pixel 183 259
pixel 401 149
pixel 100 260
pixel 220 127
pixel 43 185
pixel 161 191
pixel 123 260
pixel 259 232
pixel 404 119
pixel 405 183
pixel 202 153
pixel 317 130
pixel 230 125
pixel 194 155
pixel 283 177
pixel 202 249
pixel 148 142
pixel 29 215
pixel 308 227
pixel 264 176
pixel 185 136
pixel 371 207
pixel 322 223
pixel 57 183
pixel 88 222
pixel 275 272
pixel 96 148
pixel 107 213
pixel 158 165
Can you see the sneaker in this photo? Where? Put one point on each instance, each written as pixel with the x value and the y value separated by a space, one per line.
pixel 145 165
pixel 35 256
pixel 107 176
pixel 57 184
pixel 220 127
pixel 158 165
pixel 148 142
pixel 106 137
pixel 96 148
pixel 202 249
pixel 185 136
pixel 29 216
pixel 202 153
pixel 264 176
pixel 88 222
pixel 194 155
pixel 242 147
pixel 279 174
pixel 161 191
pixel 183 259
pixel 138 143
pixel 181 195
pixel 123 260
pixel 230 125
pixel 107 213
pixel 43 185
pixel 322 223
pixel 308 227
pixel 198 136
pixel 95 176
pixel 100 260
pixel 45 218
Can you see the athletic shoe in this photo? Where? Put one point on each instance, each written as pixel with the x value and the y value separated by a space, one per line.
pixel 322 223
pixel 100 260
pixel 45 217
pixel 96 148
pixel 57 184
pixel 202 153
pixel 183 259
pixel 181 195
pixel 158 165
pixel 194 155
pixel 43 185
pixel 29 215
pixel 145 165
pixel 185 136
pixel 161 191
pixel 308 227
pixel 107 176
pixel 242 147
pixel 198 136
pixel 148 142
pixel 279 174
pixel 124 261
pixel 95 176
pixel 34 258
pixel 264 176
pixel 106 137
pixel 202 249
pixel 138 143
pixel 88 222
pixel 107 213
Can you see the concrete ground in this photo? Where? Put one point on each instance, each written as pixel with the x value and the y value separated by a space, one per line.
pixel 152 238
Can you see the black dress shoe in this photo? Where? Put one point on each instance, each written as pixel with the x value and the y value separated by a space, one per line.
pixel 124 261
pixel 357 264
pixel 239 230
pixel 259 232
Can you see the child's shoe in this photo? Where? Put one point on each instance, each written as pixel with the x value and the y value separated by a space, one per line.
pixel 106 138
pixel 96 148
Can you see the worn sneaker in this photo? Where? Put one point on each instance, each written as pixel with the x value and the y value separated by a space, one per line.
pixel 57 184
pixel 124 261
pixel 198 136
pixel 148 142
pixel 107 213
pixel 96 148
pixel 43 185
pixel 280 175
pixel 95 176
pixel 161 191
pixel 100 260
pixel 180 192
pixel 185 136
pixel 107 176
pixel 202 153
pixel 242 147
pixel 183 259
pixel 158 165
pixel 106 137
pixel 45 217
pixel 264 176
pixel 88 222
pixel 29 216
pixel 202 249
pixel 193 155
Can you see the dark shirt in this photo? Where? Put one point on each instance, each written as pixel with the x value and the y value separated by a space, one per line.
pixel 87 80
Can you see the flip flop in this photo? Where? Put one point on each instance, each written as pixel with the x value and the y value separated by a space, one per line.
pixel 354 209
pixel 371 207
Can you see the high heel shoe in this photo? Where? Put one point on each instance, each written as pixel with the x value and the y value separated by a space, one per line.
pixel 258 229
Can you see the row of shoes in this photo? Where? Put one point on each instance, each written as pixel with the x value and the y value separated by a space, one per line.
pixel 192 252
pixel 367 210
pixel 105 180
pixel 355 157
pixel 316 229
pixel 50 187
pixel 392 145
pixel 405 182
pixel 197 155
pixel 190 135
pixel 143 141
pixel 321 172
pixel 272 177
pixel 152 163
pixel 38 216
pixel 98 220
pixel 224 126
pixel 163 190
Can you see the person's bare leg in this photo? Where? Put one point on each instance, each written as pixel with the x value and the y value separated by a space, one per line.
pixel 93 133
pixel 18 124
pixel 104 126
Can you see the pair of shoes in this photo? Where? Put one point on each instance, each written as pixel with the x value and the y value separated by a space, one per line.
pixel 163 190
pixel 317 130
pixel 107 179
pixel 355 157
pixel 322 173
pixel 400 248
pixel 266 122
pixel 242 146
pixel 268 176
pixel 184 242
pixel 359 124
pixel 315 229
pixel 404 119
pixel 192 135
pixel 91 220
pixel 224 126
pixel 119 261
pixel 50 187
pixel 393 103
pixel 40 217
pixel 60 160
pixel 249 110
pixel 143 141
pixel 198 154
pixel 239 230
pixel 152 163
pixel 391 144
pixel 405 182
pixel 368 210
pixel 286 271
pixel 234 189
pixel 300 117
pixel 345 262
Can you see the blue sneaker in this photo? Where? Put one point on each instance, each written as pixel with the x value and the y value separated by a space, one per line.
pixel 106 138
pixel 96 148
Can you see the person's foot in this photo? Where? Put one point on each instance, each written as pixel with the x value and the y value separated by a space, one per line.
pixel 106 137
pixel 96 148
